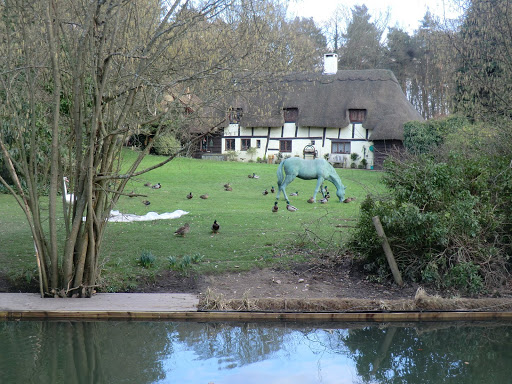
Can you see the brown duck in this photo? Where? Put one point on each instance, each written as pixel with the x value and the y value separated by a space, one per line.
pixel 182 231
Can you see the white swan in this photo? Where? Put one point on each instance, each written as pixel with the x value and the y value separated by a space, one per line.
pixel 70 198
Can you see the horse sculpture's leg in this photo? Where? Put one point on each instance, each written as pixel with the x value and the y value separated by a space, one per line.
pixel 319 183
pixel 287 180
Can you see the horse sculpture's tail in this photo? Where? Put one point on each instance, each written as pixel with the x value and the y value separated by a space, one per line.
pixel 280 175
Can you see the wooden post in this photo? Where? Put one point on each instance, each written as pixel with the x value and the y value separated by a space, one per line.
pixel 387 251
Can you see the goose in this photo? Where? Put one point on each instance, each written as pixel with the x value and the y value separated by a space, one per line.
pixel 290 207
pixel 182 231
pixel 70 198
pixel 189 196
pixel 157 186
pixel 275 208
pixel 215 227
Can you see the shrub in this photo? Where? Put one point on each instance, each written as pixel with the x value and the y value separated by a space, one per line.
pixel 166 145
pixel 446 216
pixel 423 137
pixel 231 155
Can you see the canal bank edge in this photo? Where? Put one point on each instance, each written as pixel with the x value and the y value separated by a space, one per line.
pixel 168 306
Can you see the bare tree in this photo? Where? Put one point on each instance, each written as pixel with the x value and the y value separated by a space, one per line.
pixel 77 77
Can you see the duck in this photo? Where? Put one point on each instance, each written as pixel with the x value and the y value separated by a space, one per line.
pixel 265 192
pixel 327 196
pixel 275 208
pixel 157 186
pixel 205 196
pixel 227 185
pixel 324 200
pixel 255 176
pixel 349 199
pixel 215 226
pixel 147 184
pixel 182 231
pixel 189 196
pixel 290 207
pixel 294 194
pixel 272 189
pixel 311 200
pixel 250 176
pixel 228 189
pixel 145 202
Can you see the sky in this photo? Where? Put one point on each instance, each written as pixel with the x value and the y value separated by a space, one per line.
pixel 407 14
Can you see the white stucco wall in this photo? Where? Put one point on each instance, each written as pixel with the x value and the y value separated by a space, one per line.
pixel 356 134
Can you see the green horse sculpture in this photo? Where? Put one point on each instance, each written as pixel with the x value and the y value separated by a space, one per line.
pixel 318 169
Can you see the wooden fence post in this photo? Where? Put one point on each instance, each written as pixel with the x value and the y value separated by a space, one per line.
pixel 387 250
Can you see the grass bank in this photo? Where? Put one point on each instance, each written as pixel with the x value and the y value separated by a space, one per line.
pixel 250 235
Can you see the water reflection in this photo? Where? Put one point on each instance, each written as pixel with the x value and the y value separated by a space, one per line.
pixel 190 352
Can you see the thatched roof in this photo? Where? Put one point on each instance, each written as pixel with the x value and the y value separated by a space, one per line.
pixel 324 101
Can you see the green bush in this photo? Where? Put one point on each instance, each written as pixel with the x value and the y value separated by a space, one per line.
pixel 423 137
pixel 166 145
pixel 447 217
pixel 231 155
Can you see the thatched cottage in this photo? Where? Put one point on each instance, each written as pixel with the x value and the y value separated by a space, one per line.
pixel 331 114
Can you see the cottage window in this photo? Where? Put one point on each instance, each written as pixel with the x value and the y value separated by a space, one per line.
pixel 290 115
pixel 246 144
pixel 258 143
pixel 285 145
pixel 340 147
pixel 230 144
pixel 234 115
pixel 357 115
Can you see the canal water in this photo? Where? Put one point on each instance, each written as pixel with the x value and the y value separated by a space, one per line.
pixel 249 353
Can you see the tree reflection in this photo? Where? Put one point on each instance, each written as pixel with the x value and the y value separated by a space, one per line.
pixel 234 345
pixel 443 354
pixel 83 352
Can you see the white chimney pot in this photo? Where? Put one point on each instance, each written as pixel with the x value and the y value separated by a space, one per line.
pixel 330 63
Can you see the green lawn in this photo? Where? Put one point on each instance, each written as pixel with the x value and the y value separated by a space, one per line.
pixel 250 234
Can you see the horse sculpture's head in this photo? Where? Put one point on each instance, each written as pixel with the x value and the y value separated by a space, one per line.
pixel 340 192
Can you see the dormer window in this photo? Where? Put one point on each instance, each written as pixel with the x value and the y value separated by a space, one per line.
pixel 234 115
pixel 290 115
pixel 357 115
